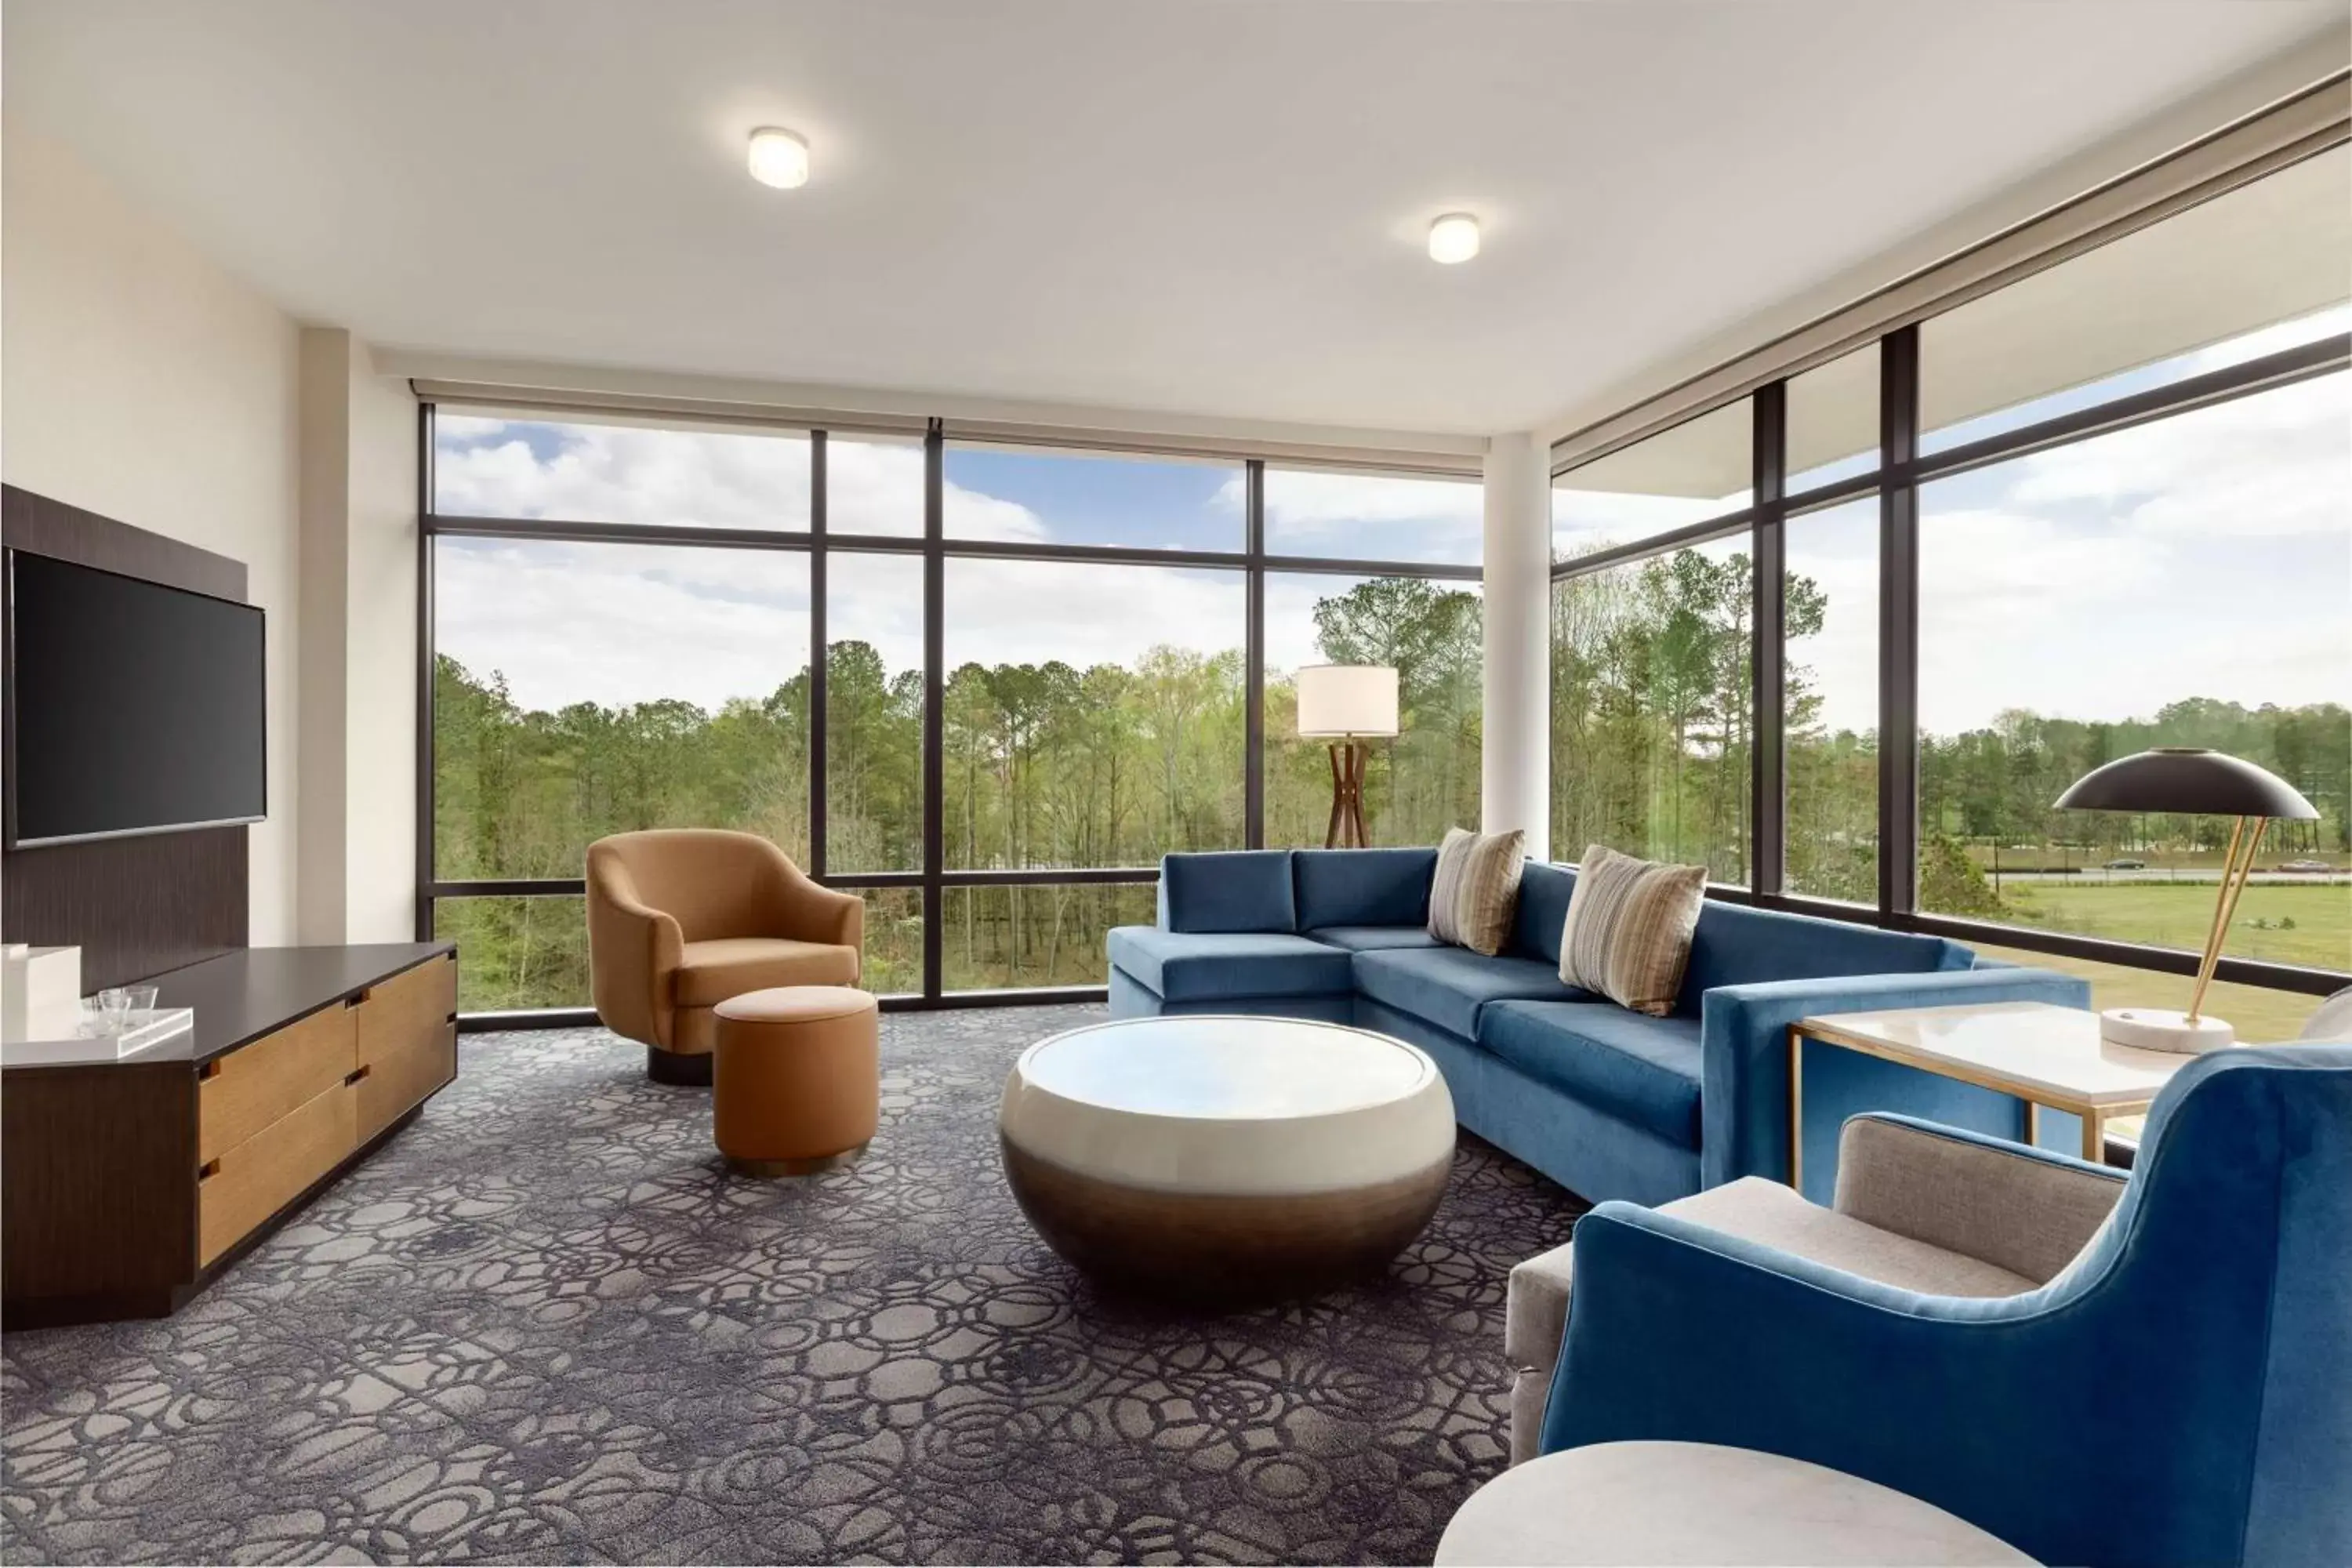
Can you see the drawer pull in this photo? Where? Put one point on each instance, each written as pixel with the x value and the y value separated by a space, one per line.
pixel 209 1169
pixel 360 1074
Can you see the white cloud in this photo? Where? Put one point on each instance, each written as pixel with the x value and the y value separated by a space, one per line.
pixel 1371 517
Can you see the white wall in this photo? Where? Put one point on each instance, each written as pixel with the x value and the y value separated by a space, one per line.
pixel 139 380
pixel 359 641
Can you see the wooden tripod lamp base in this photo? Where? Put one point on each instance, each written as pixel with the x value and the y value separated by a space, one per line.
pixel 1347 829
pixel 1346 704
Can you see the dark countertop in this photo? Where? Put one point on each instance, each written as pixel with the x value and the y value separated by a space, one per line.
pixel 240 996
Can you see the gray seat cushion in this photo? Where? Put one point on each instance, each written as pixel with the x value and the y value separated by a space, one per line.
pixel 1446 986
pixel 1637 1069
pixel 1212 966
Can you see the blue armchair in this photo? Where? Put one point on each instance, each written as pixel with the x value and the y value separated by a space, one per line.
pixel 2181 1393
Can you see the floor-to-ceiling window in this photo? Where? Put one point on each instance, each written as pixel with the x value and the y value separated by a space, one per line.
pixel 986 686
pixel 2104 508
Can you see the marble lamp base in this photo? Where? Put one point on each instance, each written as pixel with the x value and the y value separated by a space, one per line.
pixel 2164 1029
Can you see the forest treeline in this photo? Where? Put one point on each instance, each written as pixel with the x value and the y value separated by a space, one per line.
pixel 1053 765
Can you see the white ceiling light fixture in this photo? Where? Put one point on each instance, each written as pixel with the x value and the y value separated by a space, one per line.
pixel 779 158
pixel 1454 238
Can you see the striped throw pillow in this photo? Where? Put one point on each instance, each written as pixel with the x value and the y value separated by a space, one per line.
pixel 1475 891
pixel 1629 928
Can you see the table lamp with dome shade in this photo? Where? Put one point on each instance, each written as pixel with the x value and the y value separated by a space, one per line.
pixel 2185 781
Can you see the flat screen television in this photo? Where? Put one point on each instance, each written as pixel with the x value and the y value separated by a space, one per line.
pixel 131 707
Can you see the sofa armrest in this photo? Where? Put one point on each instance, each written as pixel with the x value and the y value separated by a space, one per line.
pixel 1744 1043
pixel 2029 1211
pixel 805 910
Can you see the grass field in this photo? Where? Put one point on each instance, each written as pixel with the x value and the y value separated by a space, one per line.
pixel 2169 914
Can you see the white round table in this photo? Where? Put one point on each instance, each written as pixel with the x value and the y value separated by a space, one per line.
pixel 1216 1157
pixel 1673 1503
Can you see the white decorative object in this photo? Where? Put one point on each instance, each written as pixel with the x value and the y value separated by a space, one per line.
pixel 90 1040
pixel 2165 1029
pixel 40 992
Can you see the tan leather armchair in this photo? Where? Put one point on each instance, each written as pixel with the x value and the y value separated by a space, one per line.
pixel 680 919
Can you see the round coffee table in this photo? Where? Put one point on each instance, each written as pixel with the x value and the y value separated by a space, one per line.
pixel 1227 1158
pixel 1657 1504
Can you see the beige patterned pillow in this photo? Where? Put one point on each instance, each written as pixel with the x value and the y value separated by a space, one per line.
pixel 1629 928
pixel 1477 888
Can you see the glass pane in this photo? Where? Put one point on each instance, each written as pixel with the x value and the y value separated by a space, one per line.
pixel 2259 1014
pixel 487 465
pixel 1042 497
pixel 1094 712
pixel 2187 582
pixel 580 689
pixel 874 485
pixel 1342 514
pixel 1650 694
pixel 2264 268
pixel 1426 779
pixel 1831 706
pixel 998 938
pixel 516 952
pixel 1832 414
pixel 1701 468
pixel 894 941
pixel 873 712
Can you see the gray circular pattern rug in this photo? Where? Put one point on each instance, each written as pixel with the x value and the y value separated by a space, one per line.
pixel 544 1324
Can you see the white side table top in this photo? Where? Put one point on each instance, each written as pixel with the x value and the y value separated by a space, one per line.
pixel 2053 1054
pixel 1677 1503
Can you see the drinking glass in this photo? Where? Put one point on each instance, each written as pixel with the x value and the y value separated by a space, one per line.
pixel 114 1008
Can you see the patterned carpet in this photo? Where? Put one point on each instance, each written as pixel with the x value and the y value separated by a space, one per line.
pixel 544 1325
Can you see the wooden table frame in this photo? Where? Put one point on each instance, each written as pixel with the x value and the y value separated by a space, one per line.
pixel 2094 1118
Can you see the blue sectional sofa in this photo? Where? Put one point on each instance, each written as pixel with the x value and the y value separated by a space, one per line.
pixel 1610 1103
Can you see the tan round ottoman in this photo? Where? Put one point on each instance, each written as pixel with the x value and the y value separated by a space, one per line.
pixel 797 1079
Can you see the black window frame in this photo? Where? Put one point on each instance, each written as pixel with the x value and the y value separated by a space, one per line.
pixel 935 548
pixel 1895 481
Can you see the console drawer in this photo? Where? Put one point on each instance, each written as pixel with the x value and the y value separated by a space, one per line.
pixel 409 1007
pixel 243 1092
pixel 252 1181
pixel 403 1075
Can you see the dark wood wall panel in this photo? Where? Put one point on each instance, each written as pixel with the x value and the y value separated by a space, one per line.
pixel 137 906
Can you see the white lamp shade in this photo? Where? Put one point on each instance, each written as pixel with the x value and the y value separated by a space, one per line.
pixel 1338 699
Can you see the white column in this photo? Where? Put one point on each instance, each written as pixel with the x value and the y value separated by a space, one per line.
pixel 1517 708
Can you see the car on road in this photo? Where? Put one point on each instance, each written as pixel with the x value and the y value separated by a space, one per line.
pixel 2127 865
pixel 2304 866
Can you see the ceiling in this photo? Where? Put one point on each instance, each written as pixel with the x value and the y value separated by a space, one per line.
pixel 1206 208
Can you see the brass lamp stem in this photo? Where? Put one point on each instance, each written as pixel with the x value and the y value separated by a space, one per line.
pixel 2234 871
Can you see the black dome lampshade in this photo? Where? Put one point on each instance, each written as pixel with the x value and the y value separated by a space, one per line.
pixel 2188 780
pixel 2191 781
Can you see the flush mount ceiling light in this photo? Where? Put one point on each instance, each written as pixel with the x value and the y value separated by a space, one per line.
pixel 779 158
pixel 1453 237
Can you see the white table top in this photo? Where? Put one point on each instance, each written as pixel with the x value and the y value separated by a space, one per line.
pixel 1229 1068
pixel 1226 1104
pixel 2052 1053
pixel 1662 1503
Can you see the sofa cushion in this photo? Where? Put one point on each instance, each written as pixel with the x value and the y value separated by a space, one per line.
pixel 1639 1069
pixel 1544 892
pixel 1203 966
pixel 1475 891
pixel 1362 887
pixel 711 971
pixel 1734 944
pixel 1237 890
pixel 1628 929
pixel 1369 939
pixel 1445 986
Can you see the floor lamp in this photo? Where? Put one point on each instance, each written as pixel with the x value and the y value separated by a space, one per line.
pixel 2191 781
pixel 1347 704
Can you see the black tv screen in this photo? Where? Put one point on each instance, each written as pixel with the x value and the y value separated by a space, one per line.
pixel 132 706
